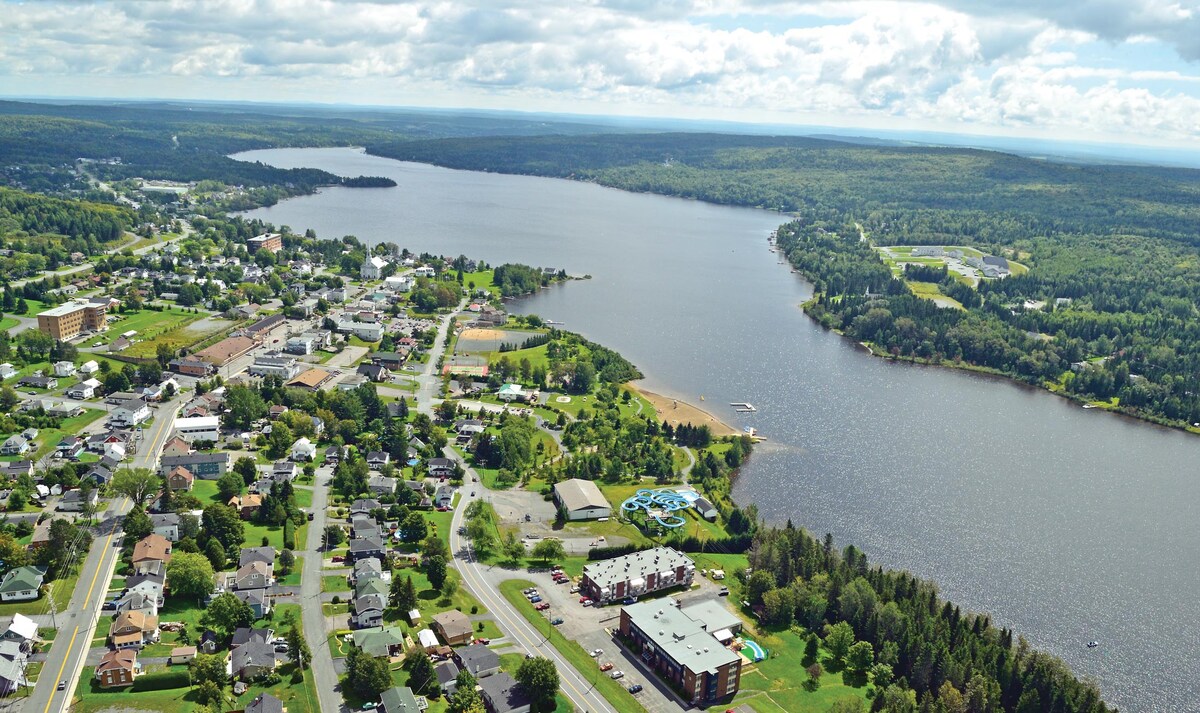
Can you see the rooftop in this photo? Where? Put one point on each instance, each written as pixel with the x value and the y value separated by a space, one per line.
pixel 636 565
pixel 686 640
pixel 578 494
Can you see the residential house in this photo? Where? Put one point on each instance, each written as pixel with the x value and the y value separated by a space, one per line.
pixel 441 467
pixel 265 555
pixel 69 448
pixel 7 371
pixel 380 485
pixel 129 413
pixel 366 568
pixel 22 584
pixel 181 655
pixel 380 641
pixel 78 501
pixel 15 445
pixel 366 547
pixel 332 455
pixel 511 392
pixel 246 505
pixel 284 470
pixel 22 630
pixel 167 525
pixel 453 626
pixel 447 675
pixel 400 699
pixel 252 575
pixel 503 694
pixel 133 630
pixel 206 466
pixel 117 669
pixel 252 660
pixel 374 372
pixel 265 703
pixel 64 368
pixel 244 635
pixel 364 507
pixel 428 641
pixel 189 366
pixel 377 459
pixel 180 478
pixel 12 672
pixel 38 382
pixel 303 450
pixel 362 527
pixel 368 610
pixel 151 548
pixel 257 600
pixel 137 602
pixel 176 446
pixel 89 367
pixel 478 659
pixel 199 428
pixel 83 390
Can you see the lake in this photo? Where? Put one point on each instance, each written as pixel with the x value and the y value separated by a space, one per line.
pixel 1066 524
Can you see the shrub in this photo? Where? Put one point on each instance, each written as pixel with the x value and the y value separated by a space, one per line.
pixel 161 681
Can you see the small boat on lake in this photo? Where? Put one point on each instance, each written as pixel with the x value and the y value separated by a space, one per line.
pixel 1093 644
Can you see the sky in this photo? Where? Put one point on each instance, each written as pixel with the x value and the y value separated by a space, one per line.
pixel 1107 70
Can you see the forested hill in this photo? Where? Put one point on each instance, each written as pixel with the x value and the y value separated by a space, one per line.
pixel 38 232
pixel 939 190
pixel 1108 311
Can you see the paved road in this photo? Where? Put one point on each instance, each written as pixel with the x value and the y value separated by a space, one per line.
pixel 310 600
pixel 65 661
pixel 522 633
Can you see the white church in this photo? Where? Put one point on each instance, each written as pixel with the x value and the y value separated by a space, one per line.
pixel 372 268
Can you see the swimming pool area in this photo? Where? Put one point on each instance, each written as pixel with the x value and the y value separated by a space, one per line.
pixel 659 505
pixel 753 651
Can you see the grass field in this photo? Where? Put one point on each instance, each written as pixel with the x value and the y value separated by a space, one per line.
pixel 776 684
pixel 334 583
pixel 7 323
pixel 171 328
pixel 931 291
pixel 60 591
pixel 613 691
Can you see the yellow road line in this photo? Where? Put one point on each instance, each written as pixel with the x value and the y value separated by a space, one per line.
pixel 86 599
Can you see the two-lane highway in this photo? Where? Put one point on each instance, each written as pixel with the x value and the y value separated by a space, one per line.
pixel 77 625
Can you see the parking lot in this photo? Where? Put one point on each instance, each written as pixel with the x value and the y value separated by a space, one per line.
pixel 586 626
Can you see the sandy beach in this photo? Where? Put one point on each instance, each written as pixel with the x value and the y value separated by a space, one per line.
pixel 675 412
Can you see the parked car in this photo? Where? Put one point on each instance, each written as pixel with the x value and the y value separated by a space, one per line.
pixel 338 558
pixel 556 620
pixel 606 666
pixel 575 589
pixel 724 592
pixel 281 648
pixel 588 603
pixel 629 600
pixel 529 591
pixel 535 600
pixel 583 599
pixel 635 688
pixel 616 674
pixel 596 652
pixel 542 606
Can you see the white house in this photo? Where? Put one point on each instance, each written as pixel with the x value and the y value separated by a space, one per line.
pixel 89 367
pixel 511 392
pixel 372 268
pixel 116 451
pixel 425 271
pixel 303 449
pixel 64 368
pixel 7 371
pixel 84 389
pixel 365 331
pixel 130 412
pixel 398 283
pixel 199 428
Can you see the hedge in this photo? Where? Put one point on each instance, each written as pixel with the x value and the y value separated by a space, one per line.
pixel 162 681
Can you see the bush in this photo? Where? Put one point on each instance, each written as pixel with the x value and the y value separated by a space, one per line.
pixel 161 681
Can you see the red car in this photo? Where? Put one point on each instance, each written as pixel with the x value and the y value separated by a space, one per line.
pixel 338 558
pixel 542 606
pixel 605 666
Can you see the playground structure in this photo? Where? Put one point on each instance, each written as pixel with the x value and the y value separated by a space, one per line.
pixel 659 505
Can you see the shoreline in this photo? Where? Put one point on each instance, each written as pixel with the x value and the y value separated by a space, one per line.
pixel 675 412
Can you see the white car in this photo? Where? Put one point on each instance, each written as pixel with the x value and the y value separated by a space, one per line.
pixel 597 652
pixel 617 674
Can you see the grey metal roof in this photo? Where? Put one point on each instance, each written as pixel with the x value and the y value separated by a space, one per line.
pixel 680 637
pixel 635 565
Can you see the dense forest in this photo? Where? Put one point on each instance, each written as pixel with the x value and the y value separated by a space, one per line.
pixel 923 653
pixel 1114 251
pixel 38 232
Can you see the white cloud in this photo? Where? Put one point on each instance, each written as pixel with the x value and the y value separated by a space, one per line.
pixel 945 62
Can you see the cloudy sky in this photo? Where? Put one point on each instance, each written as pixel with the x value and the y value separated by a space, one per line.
pixel 1079 69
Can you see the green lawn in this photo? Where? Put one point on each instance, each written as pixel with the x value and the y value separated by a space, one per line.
pixel 304 497
pixel 7 323
pixel 777 683
pixel 334 583
pixel 274 534
pixel 149 325
pixel 33 307
pixel 482 280
pixel 60 591
pixel 430 600
pixel 613 691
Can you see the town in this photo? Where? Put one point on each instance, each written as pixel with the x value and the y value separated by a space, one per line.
pixel 274 473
